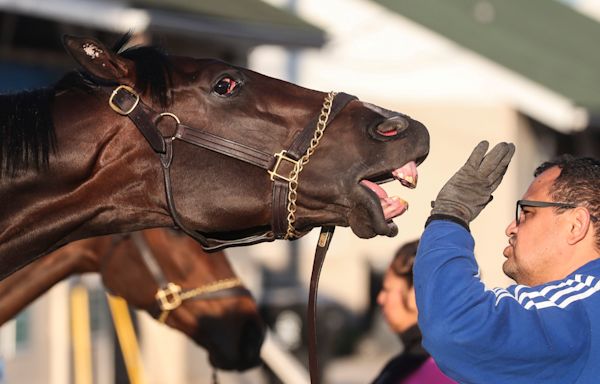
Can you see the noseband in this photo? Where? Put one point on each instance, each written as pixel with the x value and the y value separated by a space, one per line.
pixel 126 101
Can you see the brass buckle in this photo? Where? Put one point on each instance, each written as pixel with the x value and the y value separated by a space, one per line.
pixel 169 297
pixel 281 156
pixel 118 109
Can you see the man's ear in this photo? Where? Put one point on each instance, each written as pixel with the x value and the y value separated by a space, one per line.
pixel 98 60
pixel 579 222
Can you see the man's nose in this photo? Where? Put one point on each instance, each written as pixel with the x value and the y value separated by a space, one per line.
pixel 511 229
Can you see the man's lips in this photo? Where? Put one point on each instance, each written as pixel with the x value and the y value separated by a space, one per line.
pixel 393 206
pixel 509 249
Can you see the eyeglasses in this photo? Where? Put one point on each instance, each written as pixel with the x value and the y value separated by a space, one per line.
pixel 542 204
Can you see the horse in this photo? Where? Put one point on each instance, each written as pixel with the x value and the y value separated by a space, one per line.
pixel 165 273
pixel 137 139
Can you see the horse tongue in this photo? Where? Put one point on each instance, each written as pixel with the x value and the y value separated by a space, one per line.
pixel 392 206
pixel 380 192
pixel 407 174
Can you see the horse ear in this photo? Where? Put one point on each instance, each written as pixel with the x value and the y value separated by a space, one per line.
pixel 98 60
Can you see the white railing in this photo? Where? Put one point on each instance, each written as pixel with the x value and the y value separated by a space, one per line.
pixel 283 364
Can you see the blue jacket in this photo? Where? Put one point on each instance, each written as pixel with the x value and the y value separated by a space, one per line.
pixel 543 334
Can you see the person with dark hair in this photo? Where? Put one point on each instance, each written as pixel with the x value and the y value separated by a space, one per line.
pixel 397 300
pixel 544 329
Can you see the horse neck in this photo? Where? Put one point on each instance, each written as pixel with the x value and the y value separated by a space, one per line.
pixel 103 178
pixel 27 284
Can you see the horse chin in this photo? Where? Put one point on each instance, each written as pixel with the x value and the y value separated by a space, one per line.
pixel 231 346
pixel 224 362
pixel 366 219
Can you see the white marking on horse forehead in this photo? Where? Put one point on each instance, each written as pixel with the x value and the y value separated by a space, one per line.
pixel 92 50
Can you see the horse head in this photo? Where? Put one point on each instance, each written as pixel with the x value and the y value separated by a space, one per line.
pixel 226 137
pixel 214 309
pixel 174 280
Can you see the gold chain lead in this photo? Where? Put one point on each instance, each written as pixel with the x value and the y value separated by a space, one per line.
pixel 293 179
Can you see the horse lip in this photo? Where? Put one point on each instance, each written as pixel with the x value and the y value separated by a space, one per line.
pixel 407 175
pixel 376 225
pixel 380 178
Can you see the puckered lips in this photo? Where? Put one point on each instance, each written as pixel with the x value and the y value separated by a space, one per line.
pixel 393 206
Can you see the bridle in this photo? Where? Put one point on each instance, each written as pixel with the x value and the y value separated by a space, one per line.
pixel 127 102
pixel 283 167
pixel 170 296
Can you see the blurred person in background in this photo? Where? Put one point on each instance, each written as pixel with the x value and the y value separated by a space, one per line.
pixel 398 305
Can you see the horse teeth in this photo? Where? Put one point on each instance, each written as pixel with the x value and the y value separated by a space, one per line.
pixel 407 175
pixel 393 206
pixel 408 181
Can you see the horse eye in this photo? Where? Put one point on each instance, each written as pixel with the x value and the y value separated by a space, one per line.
pixel 225 86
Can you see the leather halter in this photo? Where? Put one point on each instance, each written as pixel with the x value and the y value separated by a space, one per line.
pixel 171 296
pixel 125 101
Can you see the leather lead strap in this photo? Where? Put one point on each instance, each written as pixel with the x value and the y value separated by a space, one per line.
pixel 311 313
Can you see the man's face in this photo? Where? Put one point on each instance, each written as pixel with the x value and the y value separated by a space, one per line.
pixel 397 301
pixel 533 255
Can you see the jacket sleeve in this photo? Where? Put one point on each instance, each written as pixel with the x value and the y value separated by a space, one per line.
pixel 483 336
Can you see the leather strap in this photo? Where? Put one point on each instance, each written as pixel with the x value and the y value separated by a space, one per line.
pixel 148 257
pixel 296 150
pixel 311 313
pixel 224 146
pixel 143 116
pixel 222 293
pixel 279 208
pixel 302 140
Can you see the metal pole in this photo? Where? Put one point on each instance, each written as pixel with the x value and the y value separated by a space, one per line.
pixel 80 330
pixel 283 364
pixel 127 339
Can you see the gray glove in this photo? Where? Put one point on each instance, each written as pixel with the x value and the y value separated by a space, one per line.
pixel 470 189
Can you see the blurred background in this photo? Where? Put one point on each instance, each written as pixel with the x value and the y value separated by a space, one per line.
pixel 502 70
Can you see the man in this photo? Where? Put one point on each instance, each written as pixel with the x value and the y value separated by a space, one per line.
pixel 397 300
pixel 546 329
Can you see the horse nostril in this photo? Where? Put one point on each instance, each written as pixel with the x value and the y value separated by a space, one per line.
pixel 392 126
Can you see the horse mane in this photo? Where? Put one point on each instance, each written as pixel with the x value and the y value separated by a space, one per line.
pixel 26 131
pixel 27 135
pixel 153 69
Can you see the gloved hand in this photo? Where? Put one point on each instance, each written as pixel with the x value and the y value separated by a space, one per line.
pixel 470 189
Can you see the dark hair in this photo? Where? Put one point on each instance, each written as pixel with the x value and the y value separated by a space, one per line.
pixel 27 136
pixel 578 183
pixel 402 264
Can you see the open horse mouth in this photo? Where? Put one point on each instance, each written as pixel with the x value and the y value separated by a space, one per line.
pixel 391 206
